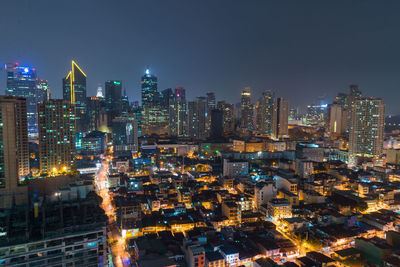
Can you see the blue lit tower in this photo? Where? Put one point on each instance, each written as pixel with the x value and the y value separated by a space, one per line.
pixel 149 89
pixel 22 81
pixel 74 91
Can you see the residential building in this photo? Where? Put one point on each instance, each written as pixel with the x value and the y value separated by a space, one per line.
pixel 57 136
pixel 367 127
pixel 280 118
pixel 14 151
pixel 235 168
pixel 246 111
pixel 279 208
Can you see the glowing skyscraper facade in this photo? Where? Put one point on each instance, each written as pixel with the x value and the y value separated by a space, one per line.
pixel 197 111
pixel 265 112
pixel 246 111
pixel 367 127
pixel 57 136
pixel 22 81
pixel 149 89
pixel 74 91
pixel 178 113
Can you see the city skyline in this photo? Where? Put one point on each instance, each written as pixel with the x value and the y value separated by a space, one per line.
pixel 199 133
pixel 314 58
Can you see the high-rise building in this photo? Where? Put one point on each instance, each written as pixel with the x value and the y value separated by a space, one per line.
pixel 149 88
pixel 211 103
pixel 43 90
pixel 354 93
pixel 14 151
pixel 316 114
pixel 125 106
pixel 113 100
pixel 137 111
pixel 197 111
pixel 94 107
pixel 57 135
pixel 155 117
pixel 178 113
pixel 74 91
pixel 246 111
pixel 22 81
pixel 228 118
pixel 293 114
pixel 48 233
pixel 336 120
pixel 125 135
pixel 155 120
pixel 265 113
pixel 166 97
pixel 367 127
pixel 216 123
pixel 280 118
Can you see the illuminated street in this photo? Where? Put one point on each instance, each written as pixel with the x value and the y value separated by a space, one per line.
pixel 117 242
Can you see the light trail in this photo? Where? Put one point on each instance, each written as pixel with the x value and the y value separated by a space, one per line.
pixel 118 245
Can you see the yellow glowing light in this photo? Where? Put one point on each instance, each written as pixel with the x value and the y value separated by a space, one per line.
pixel 72 79
pixel 76 65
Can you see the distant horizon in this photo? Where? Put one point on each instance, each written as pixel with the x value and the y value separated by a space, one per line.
pixel 254 97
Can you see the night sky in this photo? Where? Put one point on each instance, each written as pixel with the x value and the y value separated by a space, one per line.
pixel 301 49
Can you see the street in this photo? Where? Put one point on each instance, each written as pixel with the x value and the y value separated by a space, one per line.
pixel 118 245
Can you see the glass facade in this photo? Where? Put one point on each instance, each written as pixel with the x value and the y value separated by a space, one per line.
pixel 22 81
pixel 74 91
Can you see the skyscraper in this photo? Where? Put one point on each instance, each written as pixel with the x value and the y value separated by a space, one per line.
pixel 316 114
pixel 113 100
pixel 43 90
pixel 265 113
pixel 22 81
pixel 354 93
pixel 367 127
pixel 228 118
pixel 14 151
pixel 216 123
pixel 125 106
pixel 246 111
pixel 211 104
pixel 155 117
pixel 155 120
pixel 280 118
pixel 197 111
pixel 125 135
pixel 149 88
pixel 94 106
pixel 336 120
pixel 57 137
pixel 74 91
pixel 177 113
